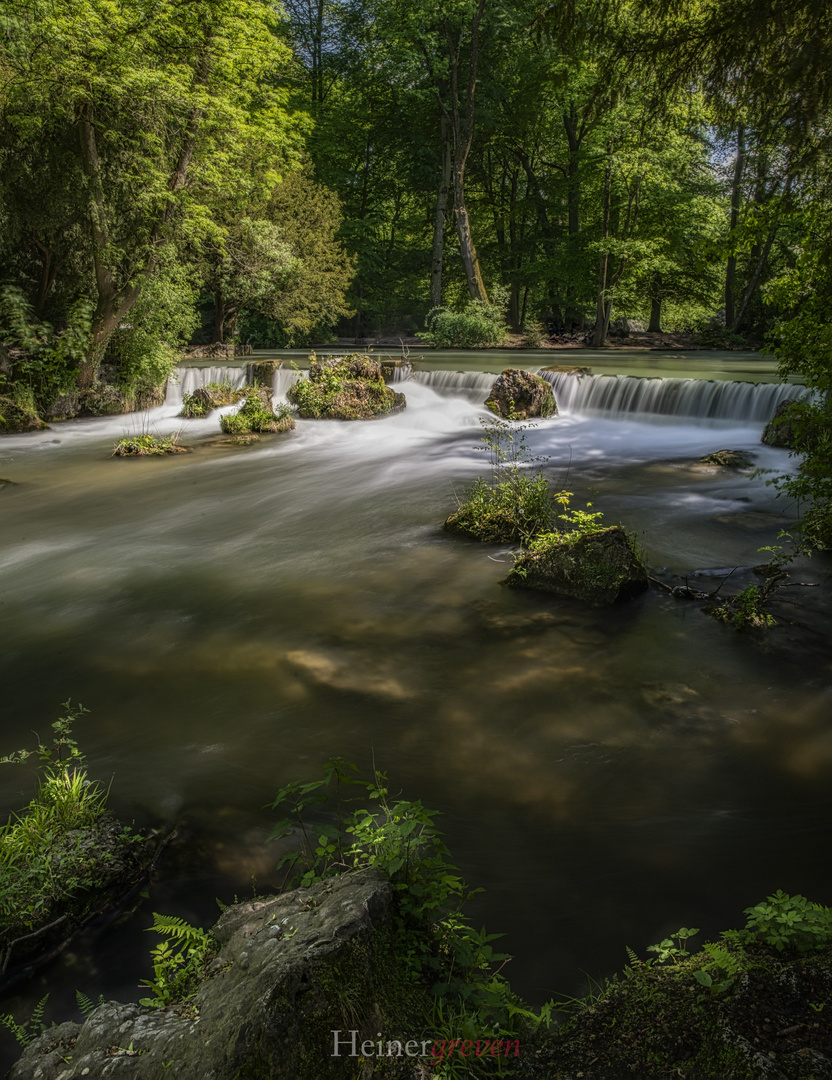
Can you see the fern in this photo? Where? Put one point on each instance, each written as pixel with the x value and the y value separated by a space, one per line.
pixel 29 1029
pixel 177 962
pixel 632 956
pixel 86 1005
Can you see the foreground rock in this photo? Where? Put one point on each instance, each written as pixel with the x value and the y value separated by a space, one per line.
pixel 14 419
pixel 598 568
pixel 290 970
pixel 345 388
pixel 519 395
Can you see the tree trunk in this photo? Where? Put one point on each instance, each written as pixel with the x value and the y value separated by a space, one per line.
pixel 439 216
pixel 574 137
pixel 470 260
pixel 603 306
pixel 655 326
pixel 219 317
pixel 736 197
pixel 463 134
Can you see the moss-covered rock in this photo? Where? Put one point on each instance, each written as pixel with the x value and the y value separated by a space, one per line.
pixel 257 415
pixel 345 388
pixel 780 430
pixel 764 1022
pixel 205 399
pixel 598 567
pixel 261 372
pixel 14 418
pixel 519 395
pixel 290 971
pixel 728 459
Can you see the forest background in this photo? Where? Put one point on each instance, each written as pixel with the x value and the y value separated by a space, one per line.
pixel 234 170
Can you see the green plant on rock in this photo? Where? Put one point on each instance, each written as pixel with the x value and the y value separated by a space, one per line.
pixel 746 610
pixel 788 922
pixel 366 827
pixel 45 856
pixel 256 415
pixel 513 505
pixel 178 961
pixel 148 445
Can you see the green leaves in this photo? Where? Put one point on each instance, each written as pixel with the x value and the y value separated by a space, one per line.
pixel 788 922
pixel 177 962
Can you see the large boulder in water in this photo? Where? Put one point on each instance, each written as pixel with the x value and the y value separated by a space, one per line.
pixel 345 388
pixel 14 418
pixel 598 568
pixel 783 429
pixel 290 971
pixel 519 395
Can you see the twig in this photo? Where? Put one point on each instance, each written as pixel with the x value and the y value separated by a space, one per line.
pixel 719 586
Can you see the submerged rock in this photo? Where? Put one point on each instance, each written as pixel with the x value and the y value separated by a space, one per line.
pixel 290 970
pixel 345 388
pixel 14 418
pixel 728 459
pixel 598 568
pixel 569 369
pixel 519 395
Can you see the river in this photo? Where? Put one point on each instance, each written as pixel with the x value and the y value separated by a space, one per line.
pixel 234 616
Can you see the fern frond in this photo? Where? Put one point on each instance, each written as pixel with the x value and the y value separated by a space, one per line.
pixel 632 956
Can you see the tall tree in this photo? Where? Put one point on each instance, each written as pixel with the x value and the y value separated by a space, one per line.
pixel 168 105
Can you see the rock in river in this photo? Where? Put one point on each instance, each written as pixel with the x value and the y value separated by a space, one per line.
pixel 598 568
pixel 519 395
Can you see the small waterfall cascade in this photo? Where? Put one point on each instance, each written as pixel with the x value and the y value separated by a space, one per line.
pixel 706 399
pixel 282 379
pixel 186 379
pixel 396 372
pixel 474 386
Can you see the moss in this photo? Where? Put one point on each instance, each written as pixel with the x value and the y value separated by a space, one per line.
pixel 148 446
pixel 209 397
pixel 659 1021
pixel 14 418
pixel 366 987
pixel 598 566
pixel 347 388
pixel 257 415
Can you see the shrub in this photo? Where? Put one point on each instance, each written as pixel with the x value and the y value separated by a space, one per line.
pixel 477 326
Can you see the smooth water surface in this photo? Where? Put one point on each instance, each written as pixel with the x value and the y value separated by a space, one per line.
pixel 235 616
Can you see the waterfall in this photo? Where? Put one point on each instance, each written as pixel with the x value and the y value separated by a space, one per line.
pixel 186 379
pixel 282 379
pixel 475 386
pixel 619 395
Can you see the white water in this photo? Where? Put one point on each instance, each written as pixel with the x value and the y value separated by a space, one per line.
pixel 618 395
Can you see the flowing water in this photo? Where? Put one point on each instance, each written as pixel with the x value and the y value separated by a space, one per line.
pixel 235 616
